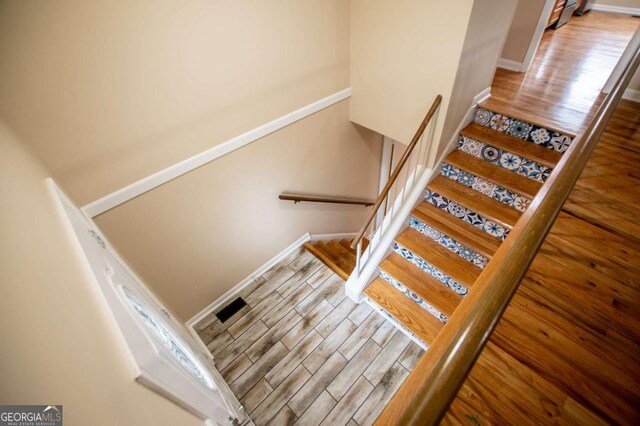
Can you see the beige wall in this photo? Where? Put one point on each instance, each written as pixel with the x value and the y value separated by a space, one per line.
pixel 197 236
pixel 58 346
pixel 404 53
pixel 620 3
pixel 522 29
pixel 488 27
pixel 120 89
pixel 109 91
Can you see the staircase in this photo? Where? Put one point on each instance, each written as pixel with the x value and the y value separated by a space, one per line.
pixel 468 210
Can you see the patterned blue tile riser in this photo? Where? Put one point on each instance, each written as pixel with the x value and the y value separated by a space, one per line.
pixel 449 243
pixel 411 295
pixel 486 187
pixel 526 131
pixel 396 323
pixel 430 269
pixel 504 159
pixel 467 215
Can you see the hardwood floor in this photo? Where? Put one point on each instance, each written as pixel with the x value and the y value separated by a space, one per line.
pixel 598 196
pixel 302 353
pixel 568 347
pixel 571 66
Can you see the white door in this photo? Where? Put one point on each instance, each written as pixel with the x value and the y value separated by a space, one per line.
pixel 164 356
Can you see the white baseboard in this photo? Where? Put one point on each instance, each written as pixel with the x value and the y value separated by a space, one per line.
pixel 616 9
pixel 510 65
pixel 479 98
pixel 632 95
pixel 235 290
pixel 163 176
pixel 338 236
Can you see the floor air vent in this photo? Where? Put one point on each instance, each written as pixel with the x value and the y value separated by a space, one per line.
pixel 229 310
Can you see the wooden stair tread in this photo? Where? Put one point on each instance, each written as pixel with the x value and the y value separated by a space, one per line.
pixel 341 256
pixel 337 255
pixel 475 201
pixel 407 312
pixel 424 285
pixel 456 228
pixel 505 107
pixel 494 173
pixel 347 245
pixel 339 248
pixel 321 244
pixel 453 265
pixel 539 154
pixel 319 250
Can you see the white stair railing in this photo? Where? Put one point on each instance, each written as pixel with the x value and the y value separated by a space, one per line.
pixel 397 199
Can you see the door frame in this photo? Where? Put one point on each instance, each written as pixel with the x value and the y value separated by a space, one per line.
pixel 205 393
pixel 537 35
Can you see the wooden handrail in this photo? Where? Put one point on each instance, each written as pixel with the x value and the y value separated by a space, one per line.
pixel 452 354
pixel 397 170
pixel 296 198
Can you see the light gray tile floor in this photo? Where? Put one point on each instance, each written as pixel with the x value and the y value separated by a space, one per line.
pixel 302 353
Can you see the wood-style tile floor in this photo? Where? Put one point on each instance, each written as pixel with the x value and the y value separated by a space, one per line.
pixel 302 352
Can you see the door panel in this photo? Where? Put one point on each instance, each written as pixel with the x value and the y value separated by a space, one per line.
pixel 164 356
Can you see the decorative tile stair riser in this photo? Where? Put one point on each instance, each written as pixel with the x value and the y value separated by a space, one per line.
pixel 411 295
pixel 504 159
pixel 523 130
pixel 448 242
pixel 467 215
pixel 437 274
pixel 486 187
